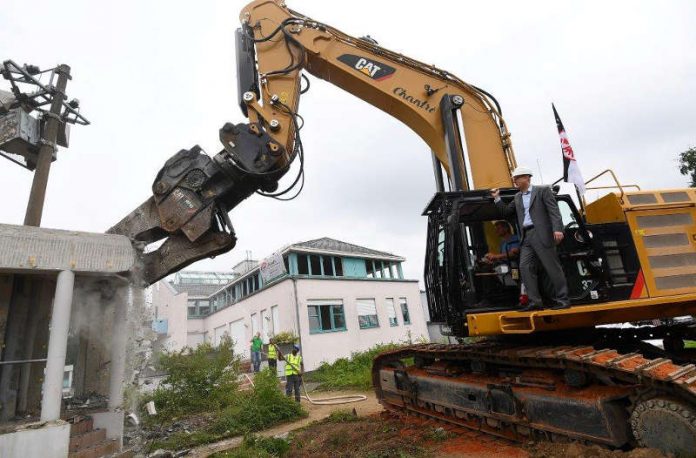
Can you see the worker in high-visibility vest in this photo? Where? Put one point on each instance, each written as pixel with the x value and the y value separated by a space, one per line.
pixel 293 373
pixel 272 356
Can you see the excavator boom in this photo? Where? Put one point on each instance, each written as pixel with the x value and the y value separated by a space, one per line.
pixel 193 192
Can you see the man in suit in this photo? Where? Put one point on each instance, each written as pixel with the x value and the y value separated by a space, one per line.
pixel 540 221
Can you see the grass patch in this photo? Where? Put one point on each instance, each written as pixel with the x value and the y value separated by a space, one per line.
pixel 257 447
pixel 354 372
pixel 180 441
pixel 342 416
pixel 438 434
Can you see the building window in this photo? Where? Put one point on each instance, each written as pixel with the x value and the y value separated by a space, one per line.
pixel 378 269
pixel 369 268
pixel 367 313
pixel 203 307
pixel 338 266
pixel 326 316
pixel 315 264
pixel 286 261
pixel 265 325
pixel 404 310
pixel 391 312
pixel 254 324
pixel 275 320
pixel 302 264
pixel 327 264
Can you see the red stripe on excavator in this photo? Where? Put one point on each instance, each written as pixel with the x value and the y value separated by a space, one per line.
pixel 638 285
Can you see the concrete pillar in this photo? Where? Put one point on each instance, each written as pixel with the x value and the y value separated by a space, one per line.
pixel 57 347
pixel 118 348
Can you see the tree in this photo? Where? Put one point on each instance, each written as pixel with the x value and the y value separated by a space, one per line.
pixel 687 165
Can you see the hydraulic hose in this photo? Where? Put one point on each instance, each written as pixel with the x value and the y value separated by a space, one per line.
pixel 333 400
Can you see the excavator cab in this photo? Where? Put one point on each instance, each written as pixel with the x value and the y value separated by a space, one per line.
pixel 461 281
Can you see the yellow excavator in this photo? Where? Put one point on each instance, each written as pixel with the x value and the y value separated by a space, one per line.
pixel 557 374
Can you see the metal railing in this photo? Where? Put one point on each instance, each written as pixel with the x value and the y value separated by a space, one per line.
pixel 618 184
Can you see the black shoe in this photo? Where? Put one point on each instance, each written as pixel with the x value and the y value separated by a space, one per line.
pixel 561 306
pixel 531 307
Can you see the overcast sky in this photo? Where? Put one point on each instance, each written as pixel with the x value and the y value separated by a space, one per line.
pixel 158 76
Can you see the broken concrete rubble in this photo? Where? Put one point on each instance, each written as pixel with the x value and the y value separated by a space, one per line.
pixel 88 356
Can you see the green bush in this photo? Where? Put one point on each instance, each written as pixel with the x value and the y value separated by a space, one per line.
pixel 354 372
pixel 285 337
pixel 262 407
pixel 198 380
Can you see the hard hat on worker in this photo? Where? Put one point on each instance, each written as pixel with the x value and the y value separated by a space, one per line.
pixel 521 170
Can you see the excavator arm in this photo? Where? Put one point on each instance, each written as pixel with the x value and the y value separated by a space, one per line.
pixel 193 192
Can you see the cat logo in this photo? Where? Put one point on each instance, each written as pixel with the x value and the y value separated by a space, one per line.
pixel 375 70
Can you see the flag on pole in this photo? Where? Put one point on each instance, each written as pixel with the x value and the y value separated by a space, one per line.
pixel 571 171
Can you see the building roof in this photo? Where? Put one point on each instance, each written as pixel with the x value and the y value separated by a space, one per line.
pixel 204 284
pixel 196 290
pixel 326 244
pixel 245 266
pixel 200 283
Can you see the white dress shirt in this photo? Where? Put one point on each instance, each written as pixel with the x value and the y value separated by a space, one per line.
pixel 526 200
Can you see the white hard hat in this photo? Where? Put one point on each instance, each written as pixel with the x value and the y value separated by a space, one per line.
pixel 521 170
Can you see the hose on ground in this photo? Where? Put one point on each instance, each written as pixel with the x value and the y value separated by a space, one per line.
pixel 330 401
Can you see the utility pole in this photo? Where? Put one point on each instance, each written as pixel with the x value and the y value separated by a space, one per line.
pixel 49 138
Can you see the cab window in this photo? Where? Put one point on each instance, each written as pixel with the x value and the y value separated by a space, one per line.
pixel 567 214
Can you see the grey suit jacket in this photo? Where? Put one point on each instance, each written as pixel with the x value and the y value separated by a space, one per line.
pixel 543 209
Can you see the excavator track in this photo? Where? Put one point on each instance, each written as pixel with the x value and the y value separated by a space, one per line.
pixel 558 393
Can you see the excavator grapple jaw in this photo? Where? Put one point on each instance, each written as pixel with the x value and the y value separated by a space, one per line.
pixel 192 194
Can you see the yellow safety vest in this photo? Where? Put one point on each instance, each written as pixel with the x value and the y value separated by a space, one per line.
pixel 272 353
pixel 292 364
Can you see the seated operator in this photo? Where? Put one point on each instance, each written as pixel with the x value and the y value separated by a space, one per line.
pixel 509 245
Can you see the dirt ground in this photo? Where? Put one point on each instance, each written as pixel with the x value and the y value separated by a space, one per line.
pixel 316 413
pixel 375 432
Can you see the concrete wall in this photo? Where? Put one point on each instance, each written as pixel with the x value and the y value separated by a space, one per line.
pixel 330 346
pixel 168 304
pixel 195 332
pixel 49 441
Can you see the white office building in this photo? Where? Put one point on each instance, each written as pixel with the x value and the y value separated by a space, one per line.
pixel 335 296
